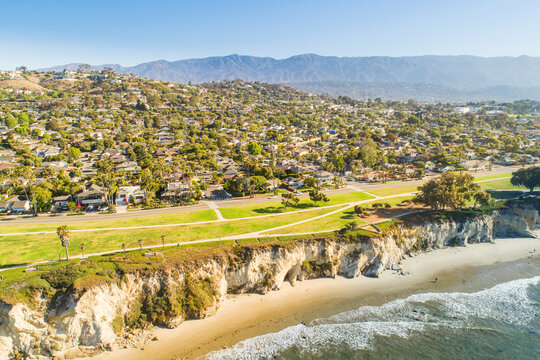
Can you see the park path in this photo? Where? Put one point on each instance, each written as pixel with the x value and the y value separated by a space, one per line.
pixel 340 207
pixel 213 205
pixel 227 238
pixel 261 233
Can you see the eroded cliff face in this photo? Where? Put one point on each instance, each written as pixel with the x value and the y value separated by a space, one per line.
pixel 100 319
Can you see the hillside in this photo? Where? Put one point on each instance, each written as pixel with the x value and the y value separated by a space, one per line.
pixel 429 78
pixel 21 84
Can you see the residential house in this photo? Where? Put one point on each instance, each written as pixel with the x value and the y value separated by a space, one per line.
pixel 324 177
pixel 129 195
pixel 176 190
pixel 61 202
pixel 94 196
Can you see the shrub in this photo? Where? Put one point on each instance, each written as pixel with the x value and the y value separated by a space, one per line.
pixel 62 278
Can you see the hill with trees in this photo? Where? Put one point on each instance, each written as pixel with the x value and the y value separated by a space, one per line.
pixel 426 78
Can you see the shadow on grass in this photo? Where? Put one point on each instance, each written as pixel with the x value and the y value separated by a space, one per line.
pixel 11 265
pixel 504 195
pixel 281 209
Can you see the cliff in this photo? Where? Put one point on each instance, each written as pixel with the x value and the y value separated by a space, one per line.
pixel 111 314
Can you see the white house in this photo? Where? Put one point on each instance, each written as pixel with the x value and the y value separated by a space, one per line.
pixel 129 194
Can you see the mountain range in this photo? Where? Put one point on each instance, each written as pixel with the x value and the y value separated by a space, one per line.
pixel 423 78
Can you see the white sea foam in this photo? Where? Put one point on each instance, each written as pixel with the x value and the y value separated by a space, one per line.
pixel 508 303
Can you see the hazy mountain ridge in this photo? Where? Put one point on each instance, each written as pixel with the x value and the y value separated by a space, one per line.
pixel 429 78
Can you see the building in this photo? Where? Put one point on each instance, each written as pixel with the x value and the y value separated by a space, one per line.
pixel 94 196
pixel 129 195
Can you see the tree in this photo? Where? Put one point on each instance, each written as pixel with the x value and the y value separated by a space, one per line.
pixel 369 154
pixel 107 177
pixel 310 181
pixel 360 211
pixel 254 148
pixel 448 191
pixel 43 197
pixel 64 234
pixel 26 176
pixel 315 195
pixel 163 240
pixel 483 198
pixel 258 182
pixel 124 247
pixel 81 246
pixel 72 206
pixel 528 177
pixel 289 199
pixel 349 227
pixel 140 242
pixel 11 122
pixel 73 153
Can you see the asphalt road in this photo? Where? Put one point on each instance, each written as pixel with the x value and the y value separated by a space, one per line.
pixel 258 199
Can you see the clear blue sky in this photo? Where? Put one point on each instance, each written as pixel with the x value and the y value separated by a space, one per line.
pixel 39 33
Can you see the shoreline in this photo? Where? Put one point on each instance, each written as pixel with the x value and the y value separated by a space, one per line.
pixel 464 269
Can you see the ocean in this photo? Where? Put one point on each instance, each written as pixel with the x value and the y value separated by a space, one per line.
pixel 502 322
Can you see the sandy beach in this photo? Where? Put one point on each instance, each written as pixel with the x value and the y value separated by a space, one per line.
pixel 239 317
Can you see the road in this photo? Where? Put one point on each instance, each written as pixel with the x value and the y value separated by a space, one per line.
pixel 250 235
pixel 204 205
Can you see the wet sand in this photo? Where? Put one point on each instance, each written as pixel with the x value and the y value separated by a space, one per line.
pixel 465 269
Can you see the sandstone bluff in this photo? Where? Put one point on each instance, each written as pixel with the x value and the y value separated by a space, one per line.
pixel 113 315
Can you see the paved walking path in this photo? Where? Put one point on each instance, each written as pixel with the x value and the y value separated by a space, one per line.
pixel 213 205
pixel 341 207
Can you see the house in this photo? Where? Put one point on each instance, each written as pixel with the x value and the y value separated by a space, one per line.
pixel 44 151
pixel 176 190
pixel 324 177
pixel 272 184
pixel 20 206
pixel 474 165
pixel 94 196
pixel 61 202
pixel 5 205
pixel 230 173
pixel 294 182
pixel 129 167
pixel 129 195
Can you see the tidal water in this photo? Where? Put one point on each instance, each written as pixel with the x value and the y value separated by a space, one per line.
pixel 502 322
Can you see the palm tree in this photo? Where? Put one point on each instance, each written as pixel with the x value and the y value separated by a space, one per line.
pixel 64 234
pixel 81 246
pixel 140 242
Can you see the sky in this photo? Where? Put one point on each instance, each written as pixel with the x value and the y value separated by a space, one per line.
pixel 39 33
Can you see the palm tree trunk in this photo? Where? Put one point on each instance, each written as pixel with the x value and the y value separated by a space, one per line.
pixel 67 253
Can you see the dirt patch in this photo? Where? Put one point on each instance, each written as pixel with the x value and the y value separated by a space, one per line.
pixel 381 214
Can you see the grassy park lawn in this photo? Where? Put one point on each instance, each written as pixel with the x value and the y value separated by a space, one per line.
pixel 330 222
pixel 394 190
pixel 335 221
pixel 177 218
pixel 275 207
pixel 493 177
pixel 501 184
pixel 17 249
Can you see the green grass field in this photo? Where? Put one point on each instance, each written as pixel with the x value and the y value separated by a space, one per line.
pixel 335 221
pixel 394 190
pixel 177 218
pixel 17 249
pixel 493 177
pixel 502 184
pixel 275 207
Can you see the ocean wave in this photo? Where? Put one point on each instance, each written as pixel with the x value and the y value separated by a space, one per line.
pixel 508 303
